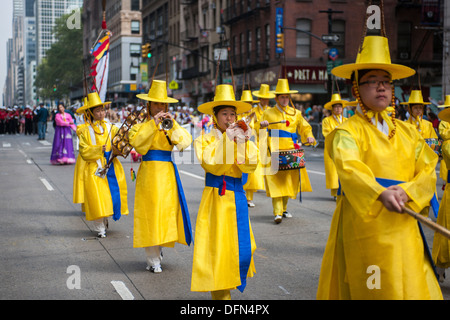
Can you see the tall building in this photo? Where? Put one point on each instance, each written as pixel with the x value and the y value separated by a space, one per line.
pixel 30 96
pixel 47 12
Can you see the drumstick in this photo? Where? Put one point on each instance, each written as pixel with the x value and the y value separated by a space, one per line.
pixel 282 121
pixel 427 221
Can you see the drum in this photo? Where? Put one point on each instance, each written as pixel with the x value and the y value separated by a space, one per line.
pixel 435 145
pixel 291 159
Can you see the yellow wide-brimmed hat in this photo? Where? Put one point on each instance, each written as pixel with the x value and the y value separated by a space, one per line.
pixel 91 101
pixel 283 87
pixel 446 102
pixel 335 99
pixel 374 54
pixel 415 98
pixel 264 92
pixel 157 93
pixel 444 115
pixel 224 97
pixel 247 97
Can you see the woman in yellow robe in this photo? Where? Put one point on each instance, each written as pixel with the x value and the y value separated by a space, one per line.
pixel 224 242
pixel 441 245
pixel 284 184
pixel 374 251
pixel 161 216
pixel 78 174
pixel 335 105
pixel 444 133
pixel 255 180
pixel 106 195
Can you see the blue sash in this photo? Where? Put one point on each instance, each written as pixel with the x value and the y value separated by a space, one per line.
pixel 285 134
pixel 166 156
pixel 242 219
pixel 113 188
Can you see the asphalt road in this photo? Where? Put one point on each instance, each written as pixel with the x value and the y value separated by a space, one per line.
pixel 48 251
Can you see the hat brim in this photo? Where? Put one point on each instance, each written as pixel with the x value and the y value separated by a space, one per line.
pixel 263 96
pixel 404 103
pixel 85 107
pixel 444 115
pixel 147 98
pixel 288 92
pixel 396 71
pixel 329 105
pixel 240 106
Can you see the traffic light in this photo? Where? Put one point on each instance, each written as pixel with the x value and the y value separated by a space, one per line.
pixel 54 88
pixel 280 40
pixel 146 51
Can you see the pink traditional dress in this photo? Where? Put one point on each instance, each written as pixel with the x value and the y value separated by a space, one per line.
pixel 62 151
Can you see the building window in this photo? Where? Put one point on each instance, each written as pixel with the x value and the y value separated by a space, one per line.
pixel 303 39
pixel 135 49
pixel 404 40
pixel 258 43
pixel 267 35
pixel 135 27
pixel 135 5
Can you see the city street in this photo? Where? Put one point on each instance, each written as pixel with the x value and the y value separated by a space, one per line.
pixel 46 241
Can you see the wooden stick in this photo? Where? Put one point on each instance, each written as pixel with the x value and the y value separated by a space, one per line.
pixel 428 222
pixel 282 121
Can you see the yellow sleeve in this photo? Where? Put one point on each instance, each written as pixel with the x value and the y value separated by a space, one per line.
pixel 326 127
pixel 88 151
pixel 444 130
pixel 179 136
pixel 304 128
pixel 141 136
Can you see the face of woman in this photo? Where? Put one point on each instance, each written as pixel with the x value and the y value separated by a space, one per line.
pixel 417 110
pixel 264 102
pixel 337 109
pixel 283 99
pixel 99 113
pixel 157 107
pixel 61 108
pixel 225 117
pixel 375 90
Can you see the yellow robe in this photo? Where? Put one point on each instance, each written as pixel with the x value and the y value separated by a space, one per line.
pixel 444 132
pixel 331 177
pixel 285 183
pixel 255 180
pixel 441 245
pixel 369 245
pixel 216 251
pixel 78 174
pixel 157 213
pixel 98 202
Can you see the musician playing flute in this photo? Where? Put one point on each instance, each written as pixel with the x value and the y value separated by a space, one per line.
pixel 104 196
pixel 224 242
pixel 284 184
pixel 373 250
pixel 161 216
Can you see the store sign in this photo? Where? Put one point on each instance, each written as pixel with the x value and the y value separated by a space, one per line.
pixel 307 74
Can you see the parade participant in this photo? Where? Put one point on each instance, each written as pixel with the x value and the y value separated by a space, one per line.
pixel 3 114
pixel 255 180
pixel 441 245
pixel 416 107
pixel 104 196
pixel 373 251
pixel 284 184
pixel 224 242
pixel 336 105
pixel 161 216
pixel 444 133
pixel 78 174
pixel 62 150
pixel 28 114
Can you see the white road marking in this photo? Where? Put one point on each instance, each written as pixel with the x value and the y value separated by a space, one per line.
pixel 46 184
pixel 191 175
pixel 122 290
pixel 6 145
pixel 316 172
pixel 284 290
pixel 45 142
pixel 29 161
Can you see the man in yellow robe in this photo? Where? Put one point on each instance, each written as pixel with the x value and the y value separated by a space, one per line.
pixel 224 242
pixel 104 195
pixel 161 216
pixel 336 106
pixel 441 245
pixel 285 121
pixel 374 251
